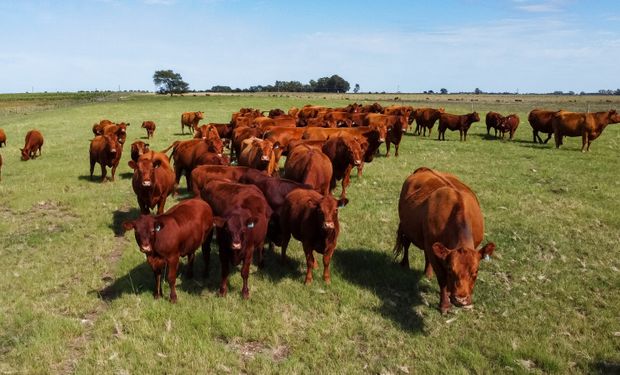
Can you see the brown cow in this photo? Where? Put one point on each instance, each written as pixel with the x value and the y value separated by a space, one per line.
pixel 185 155
pixel 33 143
pixel 493 120
pixel 396 127
pixel 241 134
pixel 2 137
pixel 587 125
pixel 345 152
pixel 152 181
pixel 509 125
pixel 259 154
pixel 336 119
pixel 456 122
pixel 276 112
pixel 119 129
pixel 0 167
pixel 310 166
pixel 105 150
pixel 283 136
pixel 224 130
pixel 540 121
pixel 138 148
pixel 442 216
pixel 401 110
pixel 425 118
pixel 210 134
pixel 150 128
pixel 312 219
pixel 177 233
pixel 372 108
pixel 241 218
pixel 191 120
pixel 202 174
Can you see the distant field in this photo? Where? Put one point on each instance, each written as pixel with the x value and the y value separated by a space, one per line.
pixel 76 293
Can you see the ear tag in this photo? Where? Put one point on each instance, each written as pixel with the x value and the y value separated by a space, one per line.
pixel 487 258
pixel 251 225
pixel 157 228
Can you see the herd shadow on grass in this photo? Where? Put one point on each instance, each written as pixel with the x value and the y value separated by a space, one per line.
pixel 97 177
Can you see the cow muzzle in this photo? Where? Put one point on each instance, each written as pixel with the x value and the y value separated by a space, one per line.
pixel 146 183
pixel 145 248
pixel 329 225
pixel 357 162
pixel 264 158
pixel 464 302
pixel 381 140
pixel 236 246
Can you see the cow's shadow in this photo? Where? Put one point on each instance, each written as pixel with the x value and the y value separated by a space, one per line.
pixel 119 216
pixel 397 288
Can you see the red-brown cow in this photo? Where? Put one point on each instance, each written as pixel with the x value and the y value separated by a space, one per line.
pixel 540 121
pixel 312 219
pixel 186 154
pixel 202 174
pixel 259 154
pixel 241 218
pixel 345 152
pixel 397 126
pixel 177 233
pixel 2 137
pixel 119 129
pixel 493 120
pixel 33 143
pixel 442 216
pixel 372 108
pixel 149 126
pixel 152 181
pixel 191 120
pixel 587 125
pixel 283 136
pixel 425 118
pixel 337 119
pixel 105 150
pixel 239 135
pixel 456 122
pixel 509 125
pixel 138 148
pixel 224 130
pixel 310 166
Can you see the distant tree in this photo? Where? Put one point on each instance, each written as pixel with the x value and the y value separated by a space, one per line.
pixel 443 91
pixel 356 89
pixel 219 88
pixel 169 82
pixel 477 91
pixel 617 92
pixel 430 92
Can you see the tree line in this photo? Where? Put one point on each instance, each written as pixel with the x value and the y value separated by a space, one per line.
pixel 335 84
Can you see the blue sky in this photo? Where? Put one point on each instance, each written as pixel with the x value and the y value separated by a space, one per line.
pixel 495 45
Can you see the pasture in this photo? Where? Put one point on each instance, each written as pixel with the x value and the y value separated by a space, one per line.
pixel 77 294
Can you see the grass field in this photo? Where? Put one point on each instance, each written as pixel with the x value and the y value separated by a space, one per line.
pixel 76 293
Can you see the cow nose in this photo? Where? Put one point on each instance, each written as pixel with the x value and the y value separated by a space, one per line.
pixel 264 158
pixel 381 139
pixel 145 248
pixel 328 225
pixel 146 183
pixel 357 162
pixel 236 245
pixel 204 137
pixel 462 301
pixel 113 150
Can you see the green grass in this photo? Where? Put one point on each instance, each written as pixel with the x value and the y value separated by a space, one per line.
pixel 77 299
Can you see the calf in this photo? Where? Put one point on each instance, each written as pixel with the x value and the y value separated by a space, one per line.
pixel 201 175
pixel 396 126
pixel 462 123
pixel 441 215
pixel 138 148
pixel 493 120
pixel 105 150
pixel 150 128
pixel 259 154
pixel 177 233
pixel 312 219
pixel 310 166
pixel 152 181
pixel 241 218
pixel 2 137
pixel 33 143
pixel 540 121
pixel 509 125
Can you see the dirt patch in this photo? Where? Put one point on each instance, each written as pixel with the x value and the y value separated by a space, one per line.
pixel 250 349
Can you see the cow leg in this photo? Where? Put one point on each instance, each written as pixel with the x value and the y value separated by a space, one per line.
pixel 103 172
pixel 360 168
pixel 465 135
pixel 387 147
pixel 114 170
pixel 286 237
pixel 309 263
pixel 206 252
pixel 429 131
pixel 225 264
pixel 548 138
pixel 461 135
pixel 584 141
pixel 189 272
pixel 245 273
pixel 261 255
pixel 327 257
pixel 173 265
pixel 157 266
pixel 92 167
pixel 396 145
pixel 406 243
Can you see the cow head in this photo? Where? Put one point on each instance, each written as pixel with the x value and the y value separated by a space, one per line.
pixel 614 117
pixel 352 149
pixel 201 132
pixel 144 168
pixel 138 148
pixel 461 266
pixel 200 115
pixel 327 212
pixel 474 117
pixel 111 143
pixel 25 154
pixel 235 229
pixel 146 228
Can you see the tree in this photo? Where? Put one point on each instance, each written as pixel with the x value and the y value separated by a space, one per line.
pixel 444 91
pixel 356 89
pixel 169 82
pixel 477 91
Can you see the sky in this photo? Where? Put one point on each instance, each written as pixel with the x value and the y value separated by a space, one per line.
pixel 408 46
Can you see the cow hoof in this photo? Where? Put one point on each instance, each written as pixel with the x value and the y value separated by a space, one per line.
pixel 308 281
pixel 222 293
pixel 444 310
pixel 245 294
pixel 327 280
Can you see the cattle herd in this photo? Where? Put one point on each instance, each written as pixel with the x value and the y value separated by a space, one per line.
pixel 249 202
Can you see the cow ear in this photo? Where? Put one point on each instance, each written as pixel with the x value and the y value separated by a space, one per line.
pixel 127 124
pixel 487 251
pixel 218 221
pixel 440 251
pixel 251 222
pixel 132 164
pixel 342 202
pixel 129 225
pixel 146 146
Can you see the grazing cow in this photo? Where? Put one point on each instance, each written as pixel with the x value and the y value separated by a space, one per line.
pixel 310 166
pixel 202 174
pixel 138 148
pixel 312 219
pixel 372 108
pixel 177 233
pixel 152 181
pixel 493 120
pixel 540 121
pixel 259 154
pixel 191 120
pixel 587 125
pixel 509 125
pixel 456 122
pixel 241 219
pixel 105 150
pixel 273 113
pixel 345 152
pixel 425 118
pixel 33 143
pixel 2 137
pixel 150 128
pixel 441 215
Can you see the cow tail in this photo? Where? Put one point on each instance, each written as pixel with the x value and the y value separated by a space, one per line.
pixel 398 246
pixel 173 145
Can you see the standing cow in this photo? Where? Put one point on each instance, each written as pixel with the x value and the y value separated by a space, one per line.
pixel 191 120
pixel 587 125
pixel 462 123
pixel 540 121
pixel 105 150
pixel 149 126
pixel 152 181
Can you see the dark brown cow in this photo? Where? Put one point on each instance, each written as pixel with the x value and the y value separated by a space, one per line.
pixel 224 130
pixel 202 174
pixel 105 150
pixel 33 143
pixel 587 125
pixel 259 154
pixel 2 138
pixel 241 134
pixel 241 219
pixel 540 121
pixel 456 122
pixel 177 233
pixel 150 128
pixel 276 112
pixel 345 152
pixel 312 219
pixel 185 155
pixel 425 118
pixel 152 181
pixel 441 215
pixel 191 120
pixel 310 166
pixel 372 108
pixel 509 125
pixel 138 148
pixel 493 120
